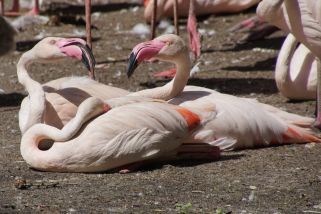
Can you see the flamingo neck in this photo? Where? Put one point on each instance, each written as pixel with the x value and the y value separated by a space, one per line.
pixel 53 158
pixel 175 86
pixel 34 89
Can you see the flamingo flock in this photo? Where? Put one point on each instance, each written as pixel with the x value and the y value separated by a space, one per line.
pixel 76 124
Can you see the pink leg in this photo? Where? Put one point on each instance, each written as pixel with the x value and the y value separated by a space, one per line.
pixel 35 10
pixel 247 24
pixel 130 167
pixel 193 35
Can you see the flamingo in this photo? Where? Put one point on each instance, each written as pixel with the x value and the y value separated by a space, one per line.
pixel 302 18
pixel 137 128
pixel 56 102
pixel 296 71
pixel 125 135
pixel 165 7
pixel 245 121
pixel 16 7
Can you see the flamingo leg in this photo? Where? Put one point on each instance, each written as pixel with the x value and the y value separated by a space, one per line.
pixel 153 21
pixel 193 35
pixel 15 10
pixel 35 10
pixel 176 17
pixel 88 31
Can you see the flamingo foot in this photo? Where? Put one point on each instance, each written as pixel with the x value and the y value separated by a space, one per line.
pixel 199 151
pixel 246 25
pixel 167 74
pixel 130 167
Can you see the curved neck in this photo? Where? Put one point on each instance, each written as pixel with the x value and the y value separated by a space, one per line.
pixel 175 86
pixel 35 92
pixel 282 69
pixel 49 159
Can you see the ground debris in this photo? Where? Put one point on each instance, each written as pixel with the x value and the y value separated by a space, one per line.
pixel 21 183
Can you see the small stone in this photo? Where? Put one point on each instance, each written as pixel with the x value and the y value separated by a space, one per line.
pixel 253 187
pixel 20 183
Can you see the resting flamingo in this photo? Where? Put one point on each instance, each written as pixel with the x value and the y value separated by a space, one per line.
pixel 132 129
pixel 56 102
pixel 233 111
pixel 296 71
pixel 302 18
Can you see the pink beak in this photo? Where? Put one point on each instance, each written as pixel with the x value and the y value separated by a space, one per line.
pixel 142 52
pixel 67 47
pixel 77 48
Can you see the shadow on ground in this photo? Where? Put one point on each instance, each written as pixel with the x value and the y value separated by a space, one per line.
pixel 238 86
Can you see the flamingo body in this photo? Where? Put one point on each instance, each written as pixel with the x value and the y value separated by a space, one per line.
pixel 247 122
pixel 165 8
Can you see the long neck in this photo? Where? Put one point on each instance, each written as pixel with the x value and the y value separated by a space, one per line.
pixel 282 69
pixel 52 159
pixel 35 92
pixel 175 86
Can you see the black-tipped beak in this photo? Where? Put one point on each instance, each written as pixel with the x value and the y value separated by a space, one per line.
pixel 132 64
pixel 87 56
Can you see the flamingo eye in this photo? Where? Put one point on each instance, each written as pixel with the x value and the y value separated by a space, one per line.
pixel 168 43
pixel 52 42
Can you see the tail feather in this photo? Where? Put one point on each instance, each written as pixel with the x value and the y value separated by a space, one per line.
pixel 297 134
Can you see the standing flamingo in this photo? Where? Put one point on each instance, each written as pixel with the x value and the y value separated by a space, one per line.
pixel 296 71
pixel 245 121
pixel 133 129
pixel 16 7
pixel 56 102
pixel 302 18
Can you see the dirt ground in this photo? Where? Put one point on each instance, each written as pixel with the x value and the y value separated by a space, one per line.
pixel 283 179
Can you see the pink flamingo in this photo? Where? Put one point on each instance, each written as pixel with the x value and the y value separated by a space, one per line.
pixel 302 18
pixel 125 135
pixel 246 113
pixel 16 8
pixel 56 102
pixel 165 7
pixel 296 71
pixel 137 129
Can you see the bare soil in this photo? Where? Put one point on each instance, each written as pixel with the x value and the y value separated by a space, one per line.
pixel 283 179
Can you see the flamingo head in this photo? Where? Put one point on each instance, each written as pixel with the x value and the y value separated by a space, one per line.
pixel 168 47
pixel 55 48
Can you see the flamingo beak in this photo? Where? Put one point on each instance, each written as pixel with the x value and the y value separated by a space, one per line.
pixel 77 48
pixel 143 52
